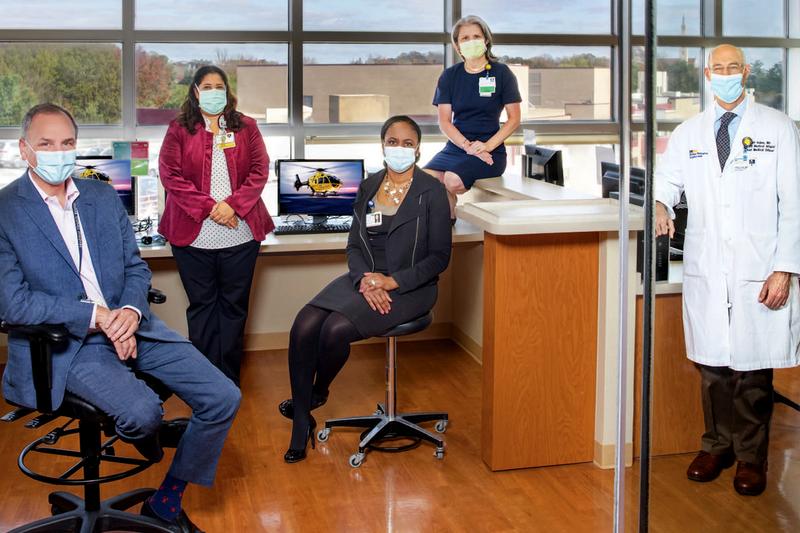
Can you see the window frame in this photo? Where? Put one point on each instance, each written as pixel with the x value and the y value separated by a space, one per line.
pixel 295 37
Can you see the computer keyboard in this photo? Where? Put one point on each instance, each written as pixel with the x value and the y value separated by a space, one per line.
pixel 301 229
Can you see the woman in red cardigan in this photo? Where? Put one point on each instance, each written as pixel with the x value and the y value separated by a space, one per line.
pixel 214 165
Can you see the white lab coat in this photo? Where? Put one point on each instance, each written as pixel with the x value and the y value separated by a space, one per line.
pixel 744 224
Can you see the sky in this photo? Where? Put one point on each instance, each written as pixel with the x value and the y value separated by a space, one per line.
pixel 503 16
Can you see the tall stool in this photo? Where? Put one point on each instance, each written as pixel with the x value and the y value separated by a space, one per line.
pixel 386 422
pixel 69 512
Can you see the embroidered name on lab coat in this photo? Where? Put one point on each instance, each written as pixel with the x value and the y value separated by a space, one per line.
pixel 695 154
pixel 762 146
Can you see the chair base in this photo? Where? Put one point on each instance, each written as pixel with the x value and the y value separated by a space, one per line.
pixel 70 515
pixel 381 426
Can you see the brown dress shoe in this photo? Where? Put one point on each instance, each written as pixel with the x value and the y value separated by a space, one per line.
pixel 750 479
pixel 707 466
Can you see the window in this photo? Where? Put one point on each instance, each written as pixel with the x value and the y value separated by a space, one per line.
pixel 349 83
pixel 561 82
pixel 373 15
pixel 83 78
pixel 257 74
pixel 762 19
pixel 678 83
pixel 72 15
pixel 242 15
pixel 766 75
pixel 674 17
pixel 513 16
pixel 370 152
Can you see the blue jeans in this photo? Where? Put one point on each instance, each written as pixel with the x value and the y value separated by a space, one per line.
pixel 100 378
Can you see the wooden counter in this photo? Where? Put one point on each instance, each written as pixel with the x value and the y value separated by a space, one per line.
pixel 542 270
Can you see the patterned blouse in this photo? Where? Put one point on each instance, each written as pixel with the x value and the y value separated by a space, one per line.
pixel 214 236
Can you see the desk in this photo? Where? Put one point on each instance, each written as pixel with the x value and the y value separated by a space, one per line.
pixel 549 329
pixel 290 270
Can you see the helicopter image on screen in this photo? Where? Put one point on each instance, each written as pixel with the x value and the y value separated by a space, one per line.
pixel 92 172
pixel 320 182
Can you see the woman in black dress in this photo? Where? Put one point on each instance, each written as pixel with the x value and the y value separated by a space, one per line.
pixel 398 245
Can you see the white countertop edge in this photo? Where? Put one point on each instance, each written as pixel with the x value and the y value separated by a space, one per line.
pixel 551 223
pixel 463 233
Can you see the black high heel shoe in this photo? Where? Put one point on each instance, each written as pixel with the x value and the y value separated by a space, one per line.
pixel 295 456
pixel 286 407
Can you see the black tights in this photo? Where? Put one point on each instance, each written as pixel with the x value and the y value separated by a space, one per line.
pixel 319 345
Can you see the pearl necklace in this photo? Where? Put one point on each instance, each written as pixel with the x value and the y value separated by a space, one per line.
pixel 395 193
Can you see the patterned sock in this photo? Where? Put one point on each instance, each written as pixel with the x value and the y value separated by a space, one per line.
pixel 166 502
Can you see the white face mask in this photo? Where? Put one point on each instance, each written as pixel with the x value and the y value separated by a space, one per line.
pixel 54 167
pixel 399 158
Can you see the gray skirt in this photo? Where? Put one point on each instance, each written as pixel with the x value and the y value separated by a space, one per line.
pixel 342 297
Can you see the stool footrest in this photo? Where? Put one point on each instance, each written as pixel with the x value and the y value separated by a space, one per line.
pixel 382 426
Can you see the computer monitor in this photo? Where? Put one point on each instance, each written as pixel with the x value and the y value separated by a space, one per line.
pixel 321 188
pixel 610 180
pixel 115 172
pixel 542 164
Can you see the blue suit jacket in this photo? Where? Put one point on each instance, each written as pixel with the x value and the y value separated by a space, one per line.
pixel 39 282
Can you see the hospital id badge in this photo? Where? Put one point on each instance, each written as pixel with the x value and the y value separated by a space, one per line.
pixel 741 164
pixel 373 220
pixel 487 86
pixel 225 140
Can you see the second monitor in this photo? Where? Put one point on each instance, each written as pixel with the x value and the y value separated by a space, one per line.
pixel 542 164
pixel 319 188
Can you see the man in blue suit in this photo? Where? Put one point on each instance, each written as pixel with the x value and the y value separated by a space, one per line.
pixel 68 256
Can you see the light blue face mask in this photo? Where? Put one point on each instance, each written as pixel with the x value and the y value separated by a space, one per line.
pixel 213 101
pixel 399 158
pixel 54 167
pixel 727 88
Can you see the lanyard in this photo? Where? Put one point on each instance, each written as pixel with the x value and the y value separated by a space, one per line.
pixel 80 240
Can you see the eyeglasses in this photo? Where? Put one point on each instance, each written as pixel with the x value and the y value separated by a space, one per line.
pixel 733 68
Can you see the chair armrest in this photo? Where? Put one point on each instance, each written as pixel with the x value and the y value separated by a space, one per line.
pixel 51 332
pixel 155 296
pixel 41 338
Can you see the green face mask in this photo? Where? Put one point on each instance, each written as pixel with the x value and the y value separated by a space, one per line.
pixel 473 49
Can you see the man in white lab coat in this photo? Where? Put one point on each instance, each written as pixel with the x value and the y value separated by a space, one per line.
pixel 738 164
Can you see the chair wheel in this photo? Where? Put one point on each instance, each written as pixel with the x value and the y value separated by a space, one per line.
pixel 356 460
pixel 441 426
pixel 439 453
pixel 323 434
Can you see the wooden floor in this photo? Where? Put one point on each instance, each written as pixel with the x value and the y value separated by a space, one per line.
pixel 412 491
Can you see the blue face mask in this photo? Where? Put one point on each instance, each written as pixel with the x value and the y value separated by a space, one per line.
pixel 54 167
pixel 399 158
pixel 727 88
pixel 213 101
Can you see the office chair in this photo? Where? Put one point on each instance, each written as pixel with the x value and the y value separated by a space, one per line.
pixel 69 512
pixel 386 422
pixel 777 397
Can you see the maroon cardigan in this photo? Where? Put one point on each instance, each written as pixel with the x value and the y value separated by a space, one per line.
pixel 185 168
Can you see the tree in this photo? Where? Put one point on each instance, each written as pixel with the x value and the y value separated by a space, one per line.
pixel 154 78
pixel 768 84
pixel 86 79
pixel 15 100
pixel 682 76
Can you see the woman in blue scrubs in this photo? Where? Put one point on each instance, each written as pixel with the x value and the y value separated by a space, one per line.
pixel 471 97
